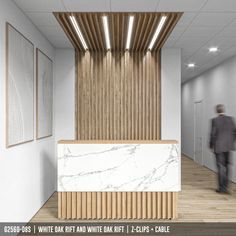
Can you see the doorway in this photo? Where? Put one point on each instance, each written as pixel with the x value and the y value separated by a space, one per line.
pixel 198 149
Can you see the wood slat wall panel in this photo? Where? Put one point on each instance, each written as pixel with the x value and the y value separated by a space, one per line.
pixel 118 205
pixel 118 99
pixel 144 27
pixel 122 104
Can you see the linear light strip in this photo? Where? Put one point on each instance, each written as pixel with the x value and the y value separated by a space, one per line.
pixel 106 30
pixel 157 32
pixel 130 28
pixel 78 31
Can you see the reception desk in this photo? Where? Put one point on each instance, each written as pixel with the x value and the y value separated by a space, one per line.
pixel 118 179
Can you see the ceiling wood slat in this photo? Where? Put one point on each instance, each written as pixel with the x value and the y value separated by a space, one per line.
pixel 84 21
pixel 175 20
pixel 144 27
pixel 68 30
pixel 97 21
pixel 93 31
pixel 164 31
pixel 136 32
pixel 83 30
pixel 152 29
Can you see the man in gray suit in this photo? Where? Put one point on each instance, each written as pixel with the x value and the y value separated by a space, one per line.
pixel 223 135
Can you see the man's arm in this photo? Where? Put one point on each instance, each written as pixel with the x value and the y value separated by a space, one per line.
pixel 234 128
pixel 212 135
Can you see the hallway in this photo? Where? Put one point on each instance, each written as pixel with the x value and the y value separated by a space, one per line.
pixel 198 201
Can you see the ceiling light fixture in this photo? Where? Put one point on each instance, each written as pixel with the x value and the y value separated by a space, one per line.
pixel 78 31
pixel 130 27
pixel 191 65
pixel 157 32
pixel 213 49
pixel 106 30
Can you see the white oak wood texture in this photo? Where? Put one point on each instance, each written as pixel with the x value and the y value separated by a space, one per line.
pixel 117 205
pixel 118 98
pixel 92 30
pixel 117 141
pixel 114 100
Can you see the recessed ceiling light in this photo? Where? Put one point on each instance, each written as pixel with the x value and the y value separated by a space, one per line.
pixel 78 31
pixel 106 30
pixel 213 49
pixel 157 32
pixel 130 27
pixel 191 65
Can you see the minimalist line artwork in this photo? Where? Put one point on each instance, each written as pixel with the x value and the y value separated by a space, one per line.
pixel 44 94
pixel 19 88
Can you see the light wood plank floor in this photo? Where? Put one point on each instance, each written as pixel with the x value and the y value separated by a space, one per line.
pixel 198 201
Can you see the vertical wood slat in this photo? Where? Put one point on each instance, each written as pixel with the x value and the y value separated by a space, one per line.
pixel 109 205
pixel 59 205
pixel 63 205
pixel 79 205
pixel 73 205
pixel 98 206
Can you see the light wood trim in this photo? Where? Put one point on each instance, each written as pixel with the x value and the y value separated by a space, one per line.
pixel 117 142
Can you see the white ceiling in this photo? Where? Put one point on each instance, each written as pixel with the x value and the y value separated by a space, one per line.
pixel 205 23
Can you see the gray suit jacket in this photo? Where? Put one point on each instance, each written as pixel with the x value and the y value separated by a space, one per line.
pixel 223 134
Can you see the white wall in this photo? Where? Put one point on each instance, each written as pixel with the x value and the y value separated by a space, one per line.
pixel 171 94
pixel 213 87
pixel 27 171
pixel 64 94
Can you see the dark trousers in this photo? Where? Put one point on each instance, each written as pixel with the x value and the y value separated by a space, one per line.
pixel 222 162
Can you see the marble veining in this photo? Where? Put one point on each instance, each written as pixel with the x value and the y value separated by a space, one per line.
pixel 118 167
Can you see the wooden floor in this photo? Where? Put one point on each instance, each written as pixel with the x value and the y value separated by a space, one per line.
pixel 198 201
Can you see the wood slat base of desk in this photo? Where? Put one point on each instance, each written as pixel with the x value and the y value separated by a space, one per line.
pixel 117 205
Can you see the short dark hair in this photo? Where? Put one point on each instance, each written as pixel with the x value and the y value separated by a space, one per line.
pixel 220 108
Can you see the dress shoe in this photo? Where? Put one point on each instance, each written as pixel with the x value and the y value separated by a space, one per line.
pixel 219 191
pixel 226 191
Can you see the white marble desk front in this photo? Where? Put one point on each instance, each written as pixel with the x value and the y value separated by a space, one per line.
pixel 120 166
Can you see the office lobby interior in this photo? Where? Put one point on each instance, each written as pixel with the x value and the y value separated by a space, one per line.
pixel 106 108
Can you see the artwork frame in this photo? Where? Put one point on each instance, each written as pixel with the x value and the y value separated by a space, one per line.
pixel 44 95
pixel 19 87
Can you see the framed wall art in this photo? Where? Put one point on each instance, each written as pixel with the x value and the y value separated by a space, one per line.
pixel 19 88
pixel 44 95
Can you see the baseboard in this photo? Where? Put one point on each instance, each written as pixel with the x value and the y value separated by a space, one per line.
pixel 187 156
